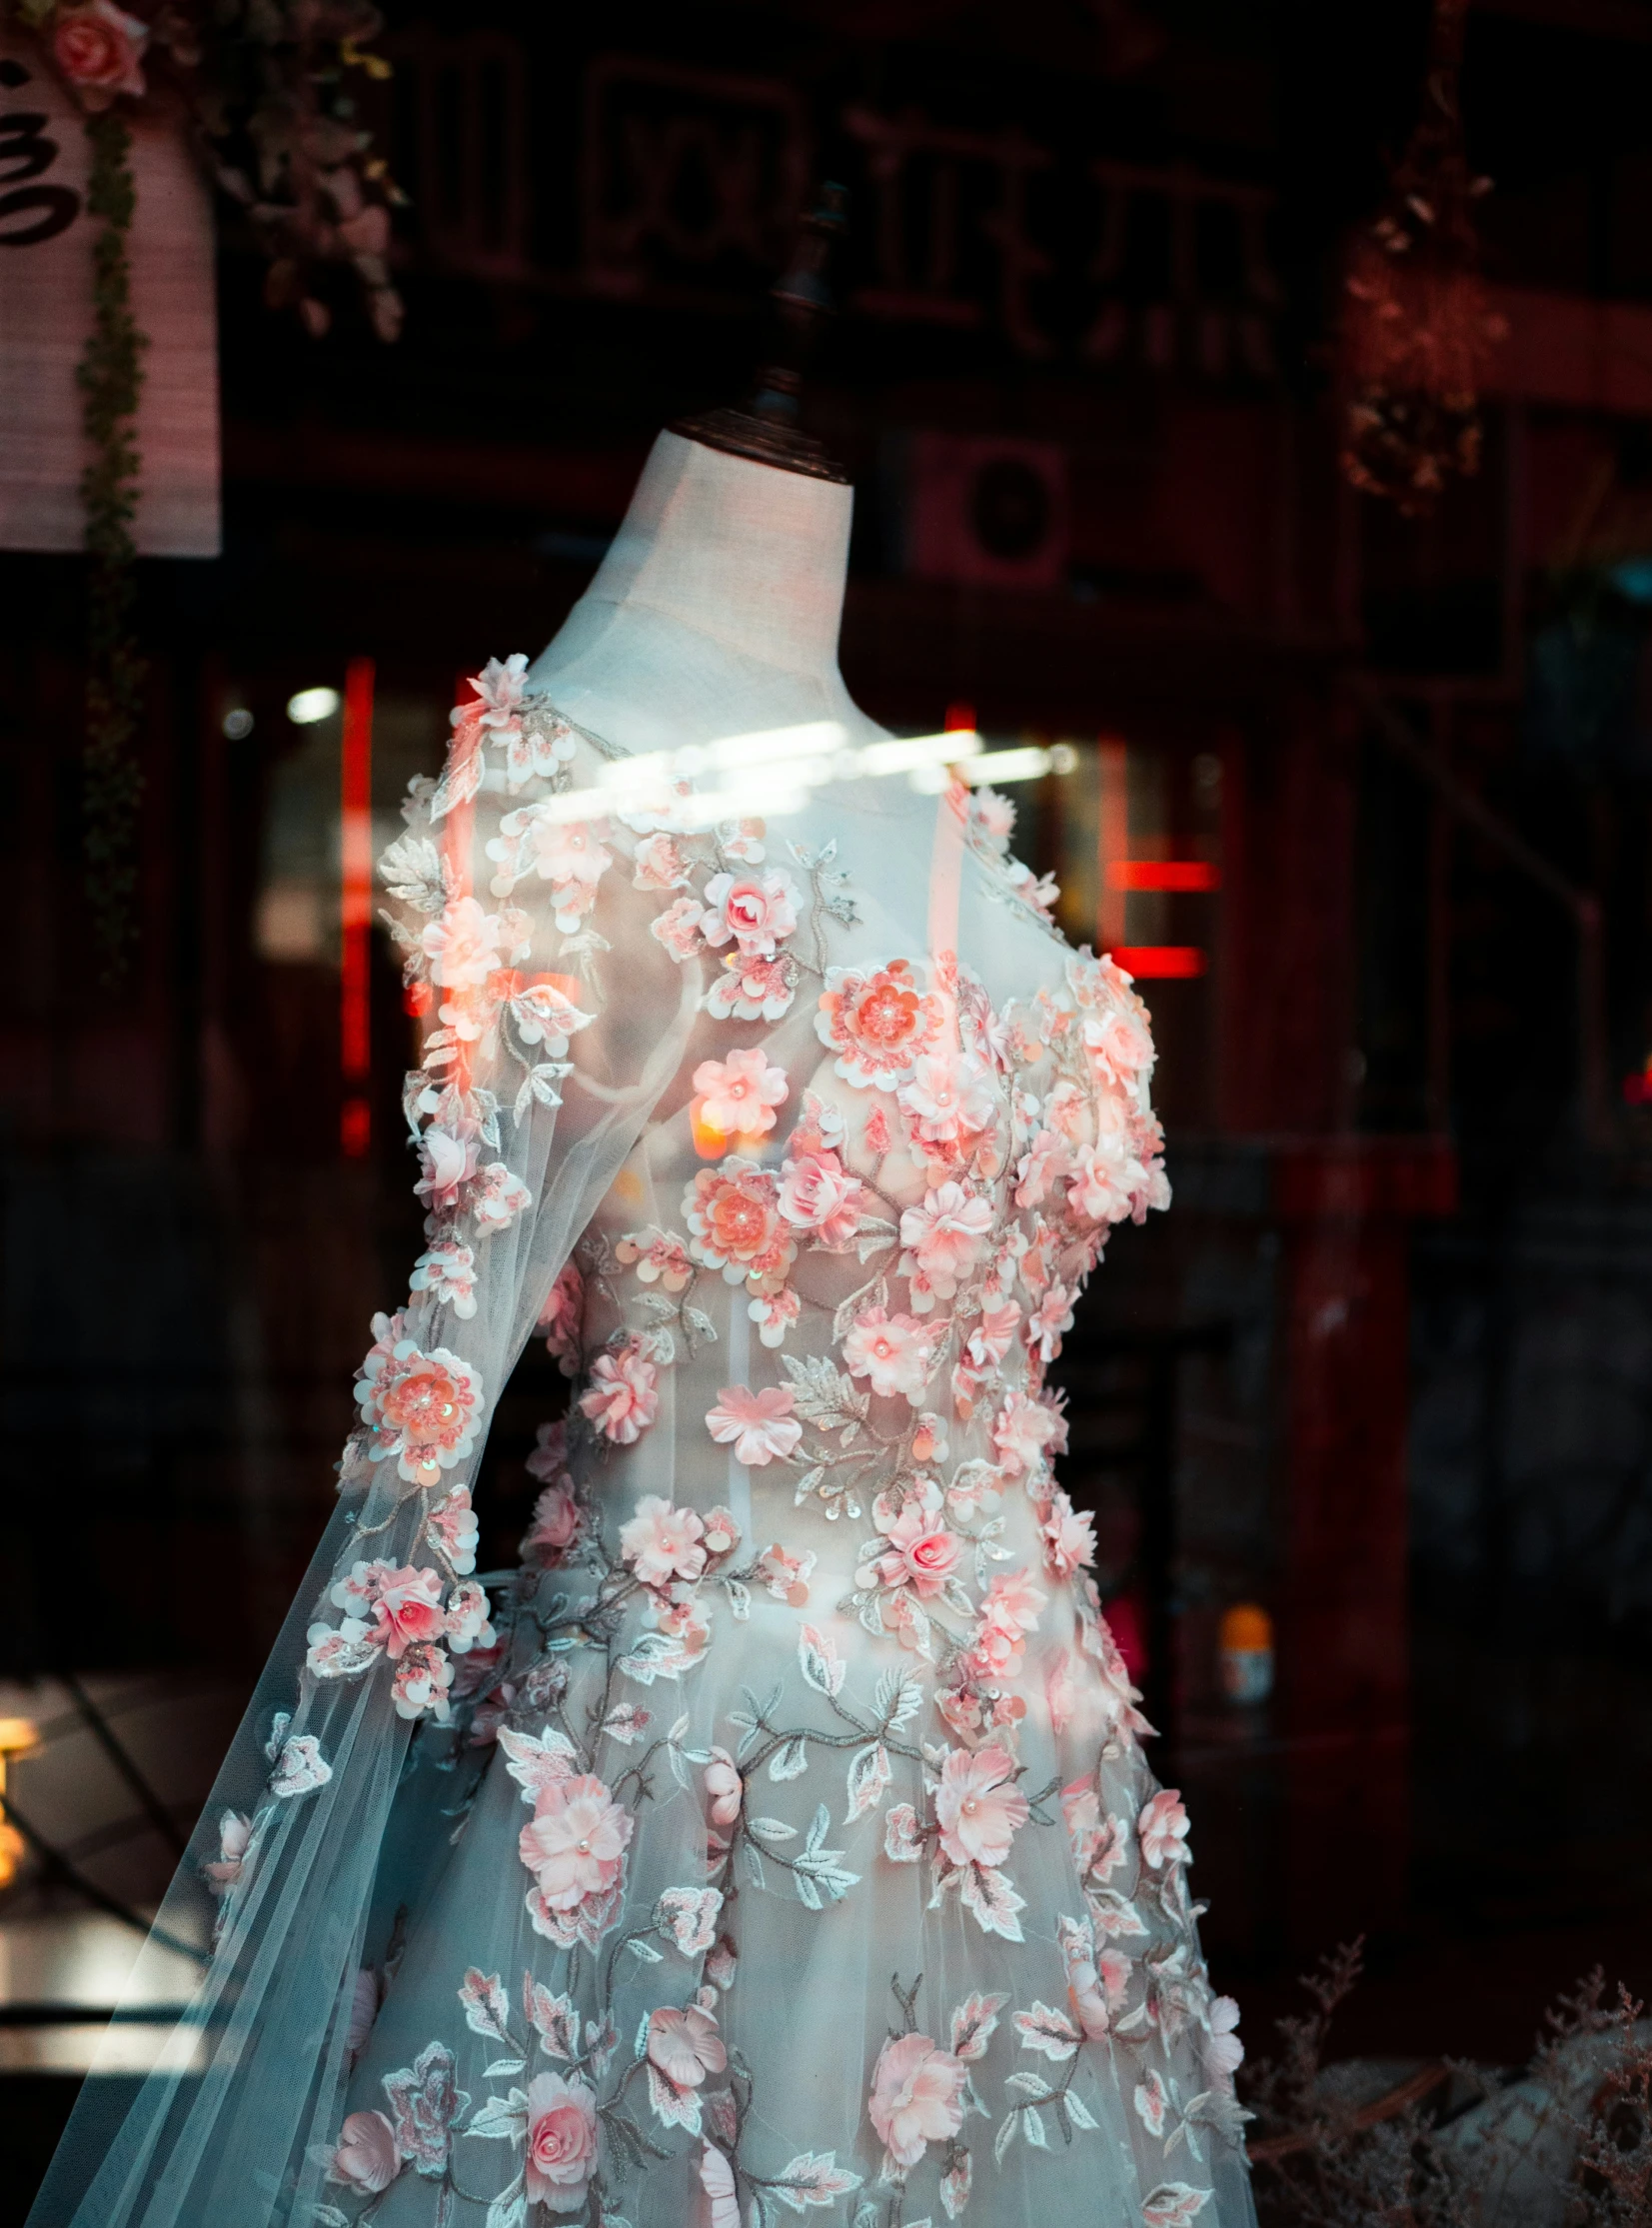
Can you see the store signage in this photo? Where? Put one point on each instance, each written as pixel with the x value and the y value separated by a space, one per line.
pixel 46 240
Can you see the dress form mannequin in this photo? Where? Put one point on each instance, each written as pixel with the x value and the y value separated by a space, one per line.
pixel 716 608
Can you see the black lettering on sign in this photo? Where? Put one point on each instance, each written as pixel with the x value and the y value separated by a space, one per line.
pixel 59 205
pixel 25 152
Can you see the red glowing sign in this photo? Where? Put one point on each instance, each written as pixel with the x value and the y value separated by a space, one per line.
pixel 1163 874
pixel 1160 962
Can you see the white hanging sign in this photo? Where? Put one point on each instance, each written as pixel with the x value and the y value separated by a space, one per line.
pixel 46 240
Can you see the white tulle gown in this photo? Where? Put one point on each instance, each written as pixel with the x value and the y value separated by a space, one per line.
pixel 778 1840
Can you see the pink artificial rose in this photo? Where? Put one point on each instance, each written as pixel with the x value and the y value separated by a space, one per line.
pixel 893 1350
pixel 447 1161
pixel 1161 1829
pixel 738 1096
pixel 662 1543
pixel 1119 1043
pixel 916 2096
pixel 979 1808
pixel 760 1426
pixel 223 1872
pixel 367 2158
pixel 574 1845
pixel 555 1522
pixel 660 864
pixel 407 1609
pixel 1021 1430
pixel 755 911
pixel 733 1217
pixel 561 1317
pixel 97 49
pixel 562 2141
pixel 818 1194
pixel 877 1023
pixel 686 2045
pixel 725 1790
pixel 716 2179
pixel 623 1399
pixel 920 1552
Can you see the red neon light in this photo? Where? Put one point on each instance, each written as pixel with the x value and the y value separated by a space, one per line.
pixel 356 909
pixel 960 720
pixel 1160 962
pixel 1163 873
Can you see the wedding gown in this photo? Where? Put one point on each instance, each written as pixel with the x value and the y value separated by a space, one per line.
pixel 777 1839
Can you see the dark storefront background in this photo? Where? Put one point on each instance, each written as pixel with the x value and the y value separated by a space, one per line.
pixel 1387 1369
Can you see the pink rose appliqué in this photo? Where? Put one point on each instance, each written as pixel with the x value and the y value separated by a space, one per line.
pixel 562 2141
pixel 893 1350
pixel 97 49
pixel 755 911
pixel 624 1399
pixel 366 2158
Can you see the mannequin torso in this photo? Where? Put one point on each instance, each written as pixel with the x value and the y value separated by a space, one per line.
pixel 715 611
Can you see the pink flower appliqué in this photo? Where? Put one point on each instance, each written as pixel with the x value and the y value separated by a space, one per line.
pixel 561 1317
pixel 947 1096
pixel 877 1023
pixel 893 1350
pixel 574 1845
pixel 624 1399
pixel 562 2141
pixel 942 1241
pixel 752 990
pixel 760 1426
pixel 918 1552
pixel 686 2045
pixel 979 1808
pixel 1070 1538
pixel 756 911
pixel 738 1096
pixel 725 1790
pixel 366 2158
pixel 734 1215
pixel 556 1523
pixel 423 1408
pixel 818 1194
pixel 917 2097
pixel 462 946
pixel 662 1543
pixel 1161 1829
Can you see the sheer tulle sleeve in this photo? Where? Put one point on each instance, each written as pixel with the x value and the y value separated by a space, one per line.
pixel 538 948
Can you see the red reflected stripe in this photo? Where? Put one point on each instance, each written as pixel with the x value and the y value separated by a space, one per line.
pixel 1160 962
pixel 1163 873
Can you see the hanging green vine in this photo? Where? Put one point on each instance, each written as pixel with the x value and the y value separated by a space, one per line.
pixel 110 375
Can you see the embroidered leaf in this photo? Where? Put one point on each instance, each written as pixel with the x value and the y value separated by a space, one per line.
pixel 486 2006
pixel 627 1723
pixel 973 2025
pixel 740 1599
pixel 537 1765
pixel 553 2018
pixel 1031 2085
pixel 1052 2032
pixel 753 1866
pixel 1172 2205
pixel 955 2187
pixel 791 1761
pixel 774 1830
pixel 502 2117
pixel 1150 2103
pixel 819 1395
pixel 988 1893
pixel 510 2208
pixel 897 1700
pixel 1221 2109
pixel 1079 2110
pixel 503 2068
pixel 464 773
pixel 812 2178
pixel 415 874
pixel 869 1780
pixel 673 2107
pixel 1114 1914
pixel 329 2216
pixel 819 1661
pixel 645 1951
pixel 1036 2131
pixel 1007 2132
